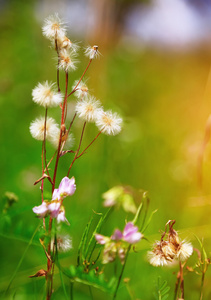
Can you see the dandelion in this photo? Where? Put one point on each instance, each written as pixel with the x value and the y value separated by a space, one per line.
pixel 108 122
pixel 157 257
pixel 81 90
pixel 64 243
pixel 88 109
pixel 41 210
pixel 53 27
pixel 92 52
pixel 46 95
pixel 37 128
pixel 66 60
pixel 185 250
pixel 64 43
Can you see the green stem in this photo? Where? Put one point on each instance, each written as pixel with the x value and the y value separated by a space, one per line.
pixel 21 260
pixel 121 274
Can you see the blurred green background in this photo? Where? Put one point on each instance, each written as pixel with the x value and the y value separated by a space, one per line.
pixel 164 99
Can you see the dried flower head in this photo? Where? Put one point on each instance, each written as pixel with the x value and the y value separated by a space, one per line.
pixel 92 52
pixel 64 43
pixel 53 27
pixel 108 122
pixel 46 95
pixel 66 60
pixel 37 128
pixel 169 248
pixel 88 109
pixel 81 90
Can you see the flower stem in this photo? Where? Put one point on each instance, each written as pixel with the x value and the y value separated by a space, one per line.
pixel 121 274
pixel 73 91
pixel 89 144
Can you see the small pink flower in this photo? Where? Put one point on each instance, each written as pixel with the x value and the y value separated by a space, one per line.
pixel 41 210
pixel 66 188
pixel 54 208
pixel 101 239
pixel 117 235
pixel 131 234
pixel 61 216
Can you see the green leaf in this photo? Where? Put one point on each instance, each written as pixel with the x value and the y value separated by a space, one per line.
pixel 149 220
pixel 77 274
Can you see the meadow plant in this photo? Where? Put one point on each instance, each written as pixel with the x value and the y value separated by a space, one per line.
pixel 52 211
pixel 95 250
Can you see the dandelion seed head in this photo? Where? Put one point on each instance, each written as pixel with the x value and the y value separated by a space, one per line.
pixel 185 250
pixel 92 52
pixel 46 95
pixel 88 109
pixel 66 60
pixel 53 27
pixel 64 43
pixel 37 128
pixel 81 90
pixel 64 243
pixel 68 138
pixel 108 122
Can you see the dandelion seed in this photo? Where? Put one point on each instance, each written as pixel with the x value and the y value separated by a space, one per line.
pixel 92 52
pixel 46 95
pixel 66 61
pixel 53 27
pixel 108 122
pixel 88 109
pixel 81 90
pixel 37 128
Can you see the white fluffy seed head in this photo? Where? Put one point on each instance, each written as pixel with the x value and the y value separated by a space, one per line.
pixel 46 95
pixel 88 109
pixel 64 43
pixel 66 60
pixel 185 251
pixel 53 27
pixel 92 52
pixel 64 243
pixel 37 128
pixel 157 259
pixel 108 122
pixel 81 90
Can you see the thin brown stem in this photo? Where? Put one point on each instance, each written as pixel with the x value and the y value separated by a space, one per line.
pixel 181 281
pixel 89 145
pixel 77 151
pixel 73 91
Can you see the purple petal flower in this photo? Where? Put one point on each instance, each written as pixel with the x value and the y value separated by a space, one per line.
pixel 56 195
pixel 101 239
pixel 66 188
pixel 54 208
pixel 131 234
pixel 61 216
pixel 117 235
pixel 41 210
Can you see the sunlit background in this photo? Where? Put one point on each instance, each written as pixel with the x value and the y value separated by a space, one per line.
pixel 155 72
